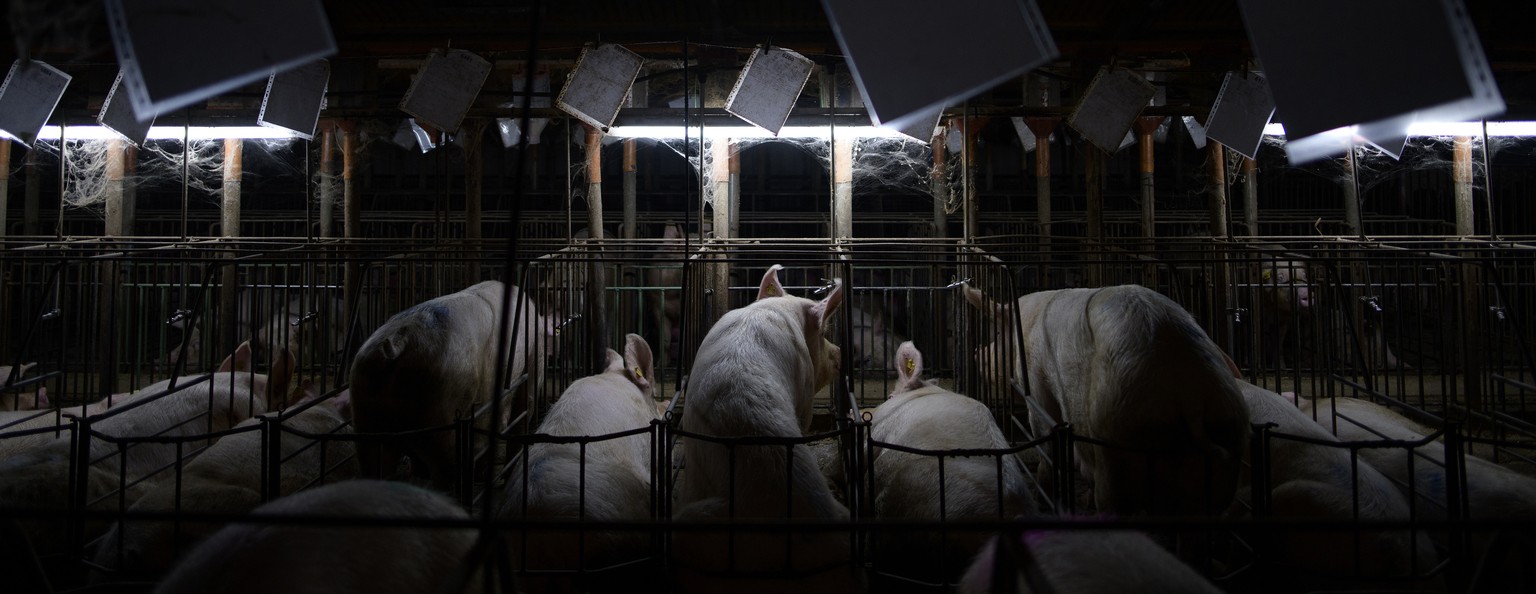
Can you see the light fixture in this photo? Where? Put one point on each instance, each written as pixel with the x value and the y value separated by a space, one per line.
pixel 768 87
pixel 1109 107
pixel 1501 129
pixel 28 96
pixel 748 132
pixel 445 87
pixel 597 86
pixel 294 99
pixel 166 133
pixel 117 115
pixel 1442 73
pixel 907 65
pixel 174 53
pixel 1241 111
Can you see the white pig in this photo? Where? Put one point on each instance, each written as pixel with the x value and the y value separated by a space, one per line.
pixel 924 416
pixel 309 327
pixel 38 478
pixel 1085 562
pixel 1317 482
pixel 10 401
pixel 225 479
pixel 1493 492
pixel 12 423
pixel 430 365
pixel 755 375
pixel 251 557
pixel 616 473
pixel 1128 366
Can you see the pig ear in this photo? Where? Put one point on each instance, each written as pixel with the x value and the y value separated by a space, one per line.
pixel 240 361
pixel 614 362
pixel 909 365
pixel 822 311
pixel 1232 365
pixel 981 302
pixel 770 286
pixel 637 355
pixel 42 397
pixel 671 232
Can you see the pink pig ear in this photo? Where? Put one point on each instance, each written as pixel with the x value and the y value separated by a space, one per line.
pixel 909 366
pixel 821 312
pixel 770 286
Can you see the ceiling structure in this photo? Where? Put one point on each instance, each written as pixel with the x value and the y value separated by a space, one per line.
pixel 382 41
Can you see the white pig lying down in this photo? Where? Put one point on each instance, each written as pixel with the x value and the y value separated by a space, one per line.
pixel 1128 366
pixel 321 558
pixel 1308 481
pixel 755 375
pixel 1493 492
pixel 430 365
pixel 611 483
pixel 38 479
pixel 14 401
pixel 907 485
pixel 1081 562
pixel 225 479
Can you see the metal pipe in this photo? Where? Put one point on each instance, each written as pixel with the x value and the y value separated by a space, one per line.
pixel 628 231
pixel 1461 176
pixel 327 179
pixel 1218 200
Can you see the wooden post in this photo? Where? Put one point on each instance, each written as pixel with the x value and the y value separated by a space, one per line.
pixel 327 179
pixel 1218 200
pixel 1251 196
pixel 113 192
pixel 720 198
pixel 594 182
pixel 842 189
pixel 630 169
pixel 972 128
pixel 1461 176
pixel 1145 127
pixel 34 189
pixel 229 333
pixel 940 182
pixel 1042 128
pixel 351 215
pixel 5 185
pixel 1351 196
pixel 596 309
pixel 735 177
pixel 130 189
pixel 474 177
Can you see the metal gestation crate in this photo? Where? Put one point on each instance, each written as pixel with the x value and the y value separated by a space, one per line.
pixel 1449 311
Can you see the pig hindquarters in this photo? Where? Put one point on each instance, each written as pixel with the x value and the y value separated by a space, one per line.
pixel 923 416
pixel 1128 366
pixel 225 479
pixel 610 483
pixel 298 558
pixel 429 366
pixel 755 375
